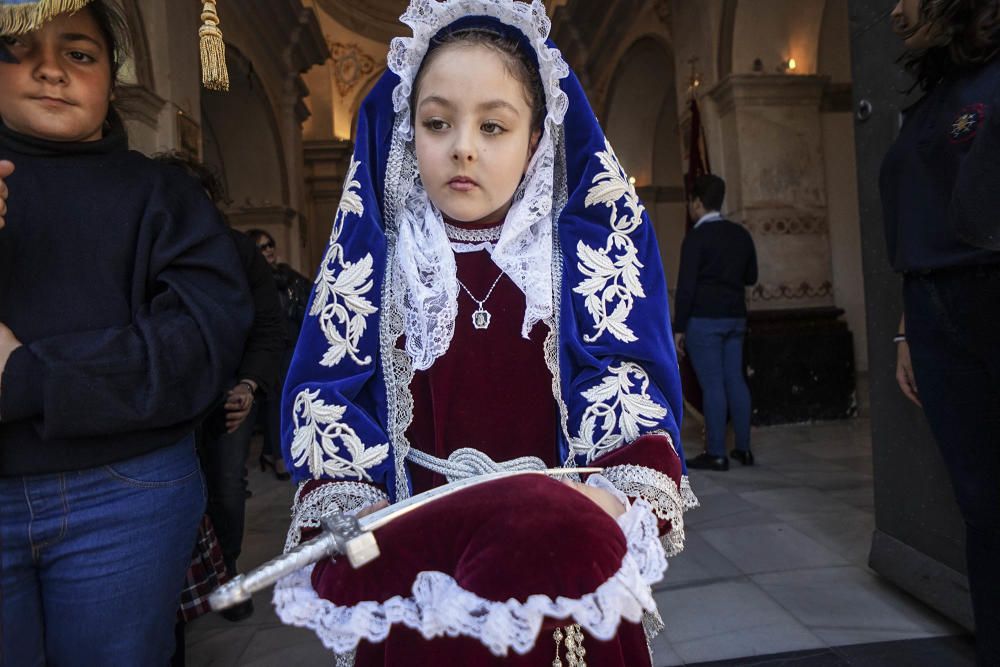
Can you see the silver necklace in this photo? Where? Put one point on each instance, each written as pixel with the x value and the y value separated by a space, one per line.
pixel 481 317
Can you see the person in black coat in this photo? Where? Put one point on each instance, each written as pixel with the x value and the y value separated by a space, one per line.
pixel 718 260
pixel 224 436
pixel 123 309
pixel 940 198
pixel 293 289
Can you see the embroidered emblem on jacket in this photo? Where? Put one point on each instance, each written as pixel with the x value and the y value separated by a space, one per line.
pixel 967 123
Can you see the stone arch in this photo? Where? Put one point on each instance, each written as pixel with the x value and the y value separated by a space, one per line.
pixel 641 122
pixel 241 139
pixel 641 99
pixel 363 90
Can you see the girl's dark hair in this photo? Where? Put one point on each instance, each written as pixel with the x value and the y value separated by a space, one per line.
pixel 113 25
pixel 518 63
pixel 966 35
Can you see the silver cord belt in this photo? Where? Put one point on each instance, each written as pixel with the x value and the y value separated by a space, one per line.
pixel 468 462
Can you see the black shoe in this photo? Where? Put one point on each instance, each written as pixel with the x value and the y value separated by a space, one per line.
pixel 744 456
pixel 240 612
pixel 708 462
pixel 270 462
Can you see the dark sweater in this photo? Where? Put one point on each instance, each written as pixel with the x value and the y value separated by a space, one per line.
pixel 718 260
pixel 939 180
pixel 268 338
pixel 122 284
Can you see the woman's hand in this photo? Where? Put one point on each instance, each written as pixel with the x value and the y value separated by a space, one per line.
pixel 904 373
pixel 6 169
pixel 8 343
pixel 679 340
pixel 239 400
pixel 604 500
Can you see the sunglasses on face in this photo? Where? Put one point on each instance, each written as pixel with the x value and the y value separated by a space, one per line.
pixel 267 245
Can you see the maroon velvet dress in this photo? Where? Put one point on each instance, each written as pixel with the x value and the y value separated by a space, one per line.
pixel 491 391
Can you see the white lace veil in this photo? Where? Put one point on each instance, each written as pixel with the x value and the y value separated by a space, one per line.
pixel 424 260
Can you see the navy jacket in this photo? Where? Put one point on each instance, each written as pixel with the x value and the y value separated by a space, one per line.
pixel 124 287
pixel 939 180
pixel 718 260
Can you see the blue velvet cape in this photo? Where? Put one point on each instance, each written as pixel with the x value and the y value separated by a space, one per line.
pixel 346 402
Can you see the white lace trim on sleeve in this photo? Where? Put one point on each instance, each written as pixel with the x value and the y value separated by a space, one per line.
pixel 439 607
pixel 329 498
pixel 660 492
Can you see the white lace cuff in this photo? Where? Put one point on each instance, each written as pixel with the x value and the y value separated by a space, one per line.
pixel 439 607
pixel 660 492
pixel 328 498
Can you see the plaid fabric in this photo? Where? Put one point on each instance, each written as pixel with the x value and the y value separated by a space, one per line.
pixel 206 573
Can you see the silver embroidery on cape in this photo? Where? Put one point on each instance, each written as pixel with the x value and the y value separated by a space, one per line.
pixel 617 410
pixel 341 286
pixel 611 274
pixel 318 429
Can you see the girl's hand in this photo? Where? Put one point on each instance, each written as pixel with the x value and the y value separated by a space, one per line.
pixel 372 508
pixel 6 169
pixel 904 373
pixel 8 343
pixel 604 500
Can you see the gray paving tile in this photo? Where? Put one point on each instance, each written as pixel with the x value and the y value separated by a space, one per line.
pixel 698 563
pixel 851 605
pixel 794 502
pixel 848 534
pixel 287 647
pixel 861 498
pixel 770 548
pixel 663 652
pixel 729 620
pixel 717 506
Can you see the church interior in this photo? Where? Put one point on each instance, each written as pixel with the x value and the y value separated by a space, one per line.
pixel 827 551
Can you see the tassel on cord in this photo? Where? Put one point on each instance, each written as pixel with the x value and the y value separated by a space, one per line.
pixel 21 18
pixel 214 73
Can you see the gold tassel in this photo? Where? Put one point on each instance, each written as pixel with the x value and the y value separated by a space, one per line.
pixel 214 73
pixel 23 18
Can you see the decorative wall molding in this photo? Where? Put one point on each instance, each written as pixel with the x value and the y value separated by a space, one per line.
pixel 764 292
pixel 756 90
pixel 790 224
pixel 351 66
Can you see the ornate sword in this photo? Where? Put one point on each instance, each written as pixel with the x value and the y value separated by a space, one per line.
pixel 345 534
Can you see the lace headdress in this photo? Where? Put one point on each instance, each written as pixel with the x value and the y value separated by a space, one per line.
pixel 578 244
pixel 424 257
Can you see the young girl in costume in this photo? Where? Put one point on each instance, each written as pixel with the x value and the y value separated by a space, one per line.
pixel 122 311
pixel 492 298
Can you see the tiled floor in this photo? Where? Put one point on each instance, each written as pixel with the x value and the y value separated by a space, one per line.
pixel 775 562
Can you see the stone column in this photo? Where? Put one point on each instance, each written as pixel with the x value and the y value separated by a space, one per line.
pixel 799 354
pixel 326 164
pixel 773 163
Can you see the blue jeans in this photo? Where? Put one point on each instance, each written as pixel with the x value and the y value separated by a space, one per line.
pixel 716 349
pixel 953 330
pixel 223 458
pixel 94 560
